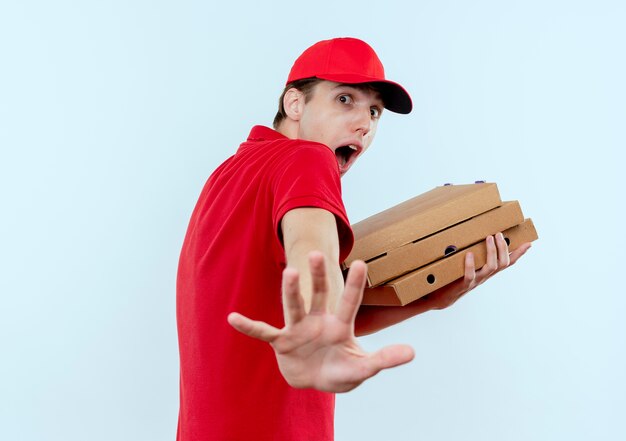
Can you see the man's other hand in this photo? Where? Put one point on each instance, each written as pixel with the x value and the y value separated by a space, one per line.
pixel 498 258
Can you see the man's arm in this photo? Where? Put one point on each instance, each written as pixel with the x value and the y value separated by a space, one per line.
pixel 374 318
pixel 309 229
pixel 313 229
pixel 317 347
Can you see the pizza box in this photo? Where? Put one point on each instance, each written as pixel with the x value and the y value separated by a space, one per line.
pixel 419 217
pixel 423 281
pixel 431 248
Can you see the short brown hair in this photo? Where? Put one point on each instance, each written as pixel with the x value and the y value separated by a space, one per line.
pixel 305 86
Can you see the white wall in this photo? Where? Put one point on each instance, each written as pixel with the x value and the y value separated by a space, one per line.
pixel 113 114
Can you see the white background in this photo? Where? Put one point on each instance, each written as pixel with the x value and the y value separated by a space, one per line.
pixel 113 114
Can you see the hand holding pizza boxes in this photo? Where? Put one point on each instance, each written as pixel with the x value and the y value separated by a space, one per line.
pixel 418 246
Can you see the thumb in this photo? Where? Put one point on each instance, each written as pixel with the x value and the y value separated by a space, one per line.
pixel 389 357
pixel 252 328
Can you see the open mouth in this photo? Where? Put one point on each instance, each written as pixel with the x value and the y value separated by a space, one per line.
pixel 345 154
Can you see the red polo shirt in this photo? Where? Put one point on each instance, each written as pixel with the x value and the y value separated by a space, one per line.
pixel 232 260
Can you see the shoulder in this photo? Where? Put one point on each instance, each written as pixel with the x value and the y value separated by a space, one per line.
pixel 309 153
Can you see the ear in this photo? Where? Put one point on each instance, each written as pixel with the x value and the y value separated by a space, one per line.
pixel 293 103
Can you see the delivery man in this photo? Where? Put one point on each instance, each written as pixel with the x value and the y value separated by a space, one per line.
pixel 261 259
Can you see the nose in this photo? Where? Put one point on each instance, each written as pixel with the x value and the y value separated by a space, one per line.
pixel 363 121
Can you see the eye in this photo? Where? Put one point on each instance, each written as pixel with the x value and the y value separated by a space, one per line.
pixel 375 112
pixel 345 99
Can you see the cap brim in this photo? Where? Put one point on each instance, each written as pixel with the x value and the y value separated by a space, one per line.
pixel 394 96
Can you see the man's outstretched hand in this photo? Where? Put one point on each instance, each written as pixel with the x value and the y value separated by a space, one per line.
pixel 318 349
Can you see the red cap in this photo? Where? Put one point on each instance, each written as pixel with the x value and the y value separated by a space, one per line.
pixel 350 61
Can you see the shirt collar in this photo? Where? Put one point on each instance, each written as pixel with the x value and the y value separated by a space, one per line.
pixel 262 133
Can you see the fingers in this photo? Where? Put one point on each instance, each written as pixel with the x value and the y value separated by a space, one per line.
pixel 319 300
pixel 470 269
pixel 293 306
pixel 503 251
pixel 371 364
pixel 388 357
pixel 498 257
pixel 352 293
pixel 519 252
pixel 253 328
pixel 492 258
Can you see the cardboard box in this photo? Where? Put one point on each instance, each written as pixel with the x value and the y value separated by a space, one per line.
pixel 418 283
pixel 416 254
pixel 419 217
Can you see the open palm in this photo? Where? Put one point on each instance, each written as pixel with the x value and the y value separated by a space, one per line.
pixel 318 349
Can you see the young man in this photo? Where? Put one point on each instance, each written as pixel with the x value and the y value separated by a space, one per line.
pixel 271 220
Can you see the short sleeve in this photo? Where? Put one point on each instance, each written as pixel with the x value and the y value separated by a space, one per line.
pixel 309 177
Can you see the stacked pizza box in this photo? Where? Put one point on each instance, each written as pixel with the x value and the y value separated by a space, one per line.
pixel 418 246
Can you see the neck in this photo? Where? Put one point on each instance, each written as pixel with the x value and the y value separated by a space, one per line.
pixel 288 128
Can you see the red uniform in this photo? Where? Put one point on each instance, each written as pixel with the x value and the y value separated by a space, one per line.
pixel 232 260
